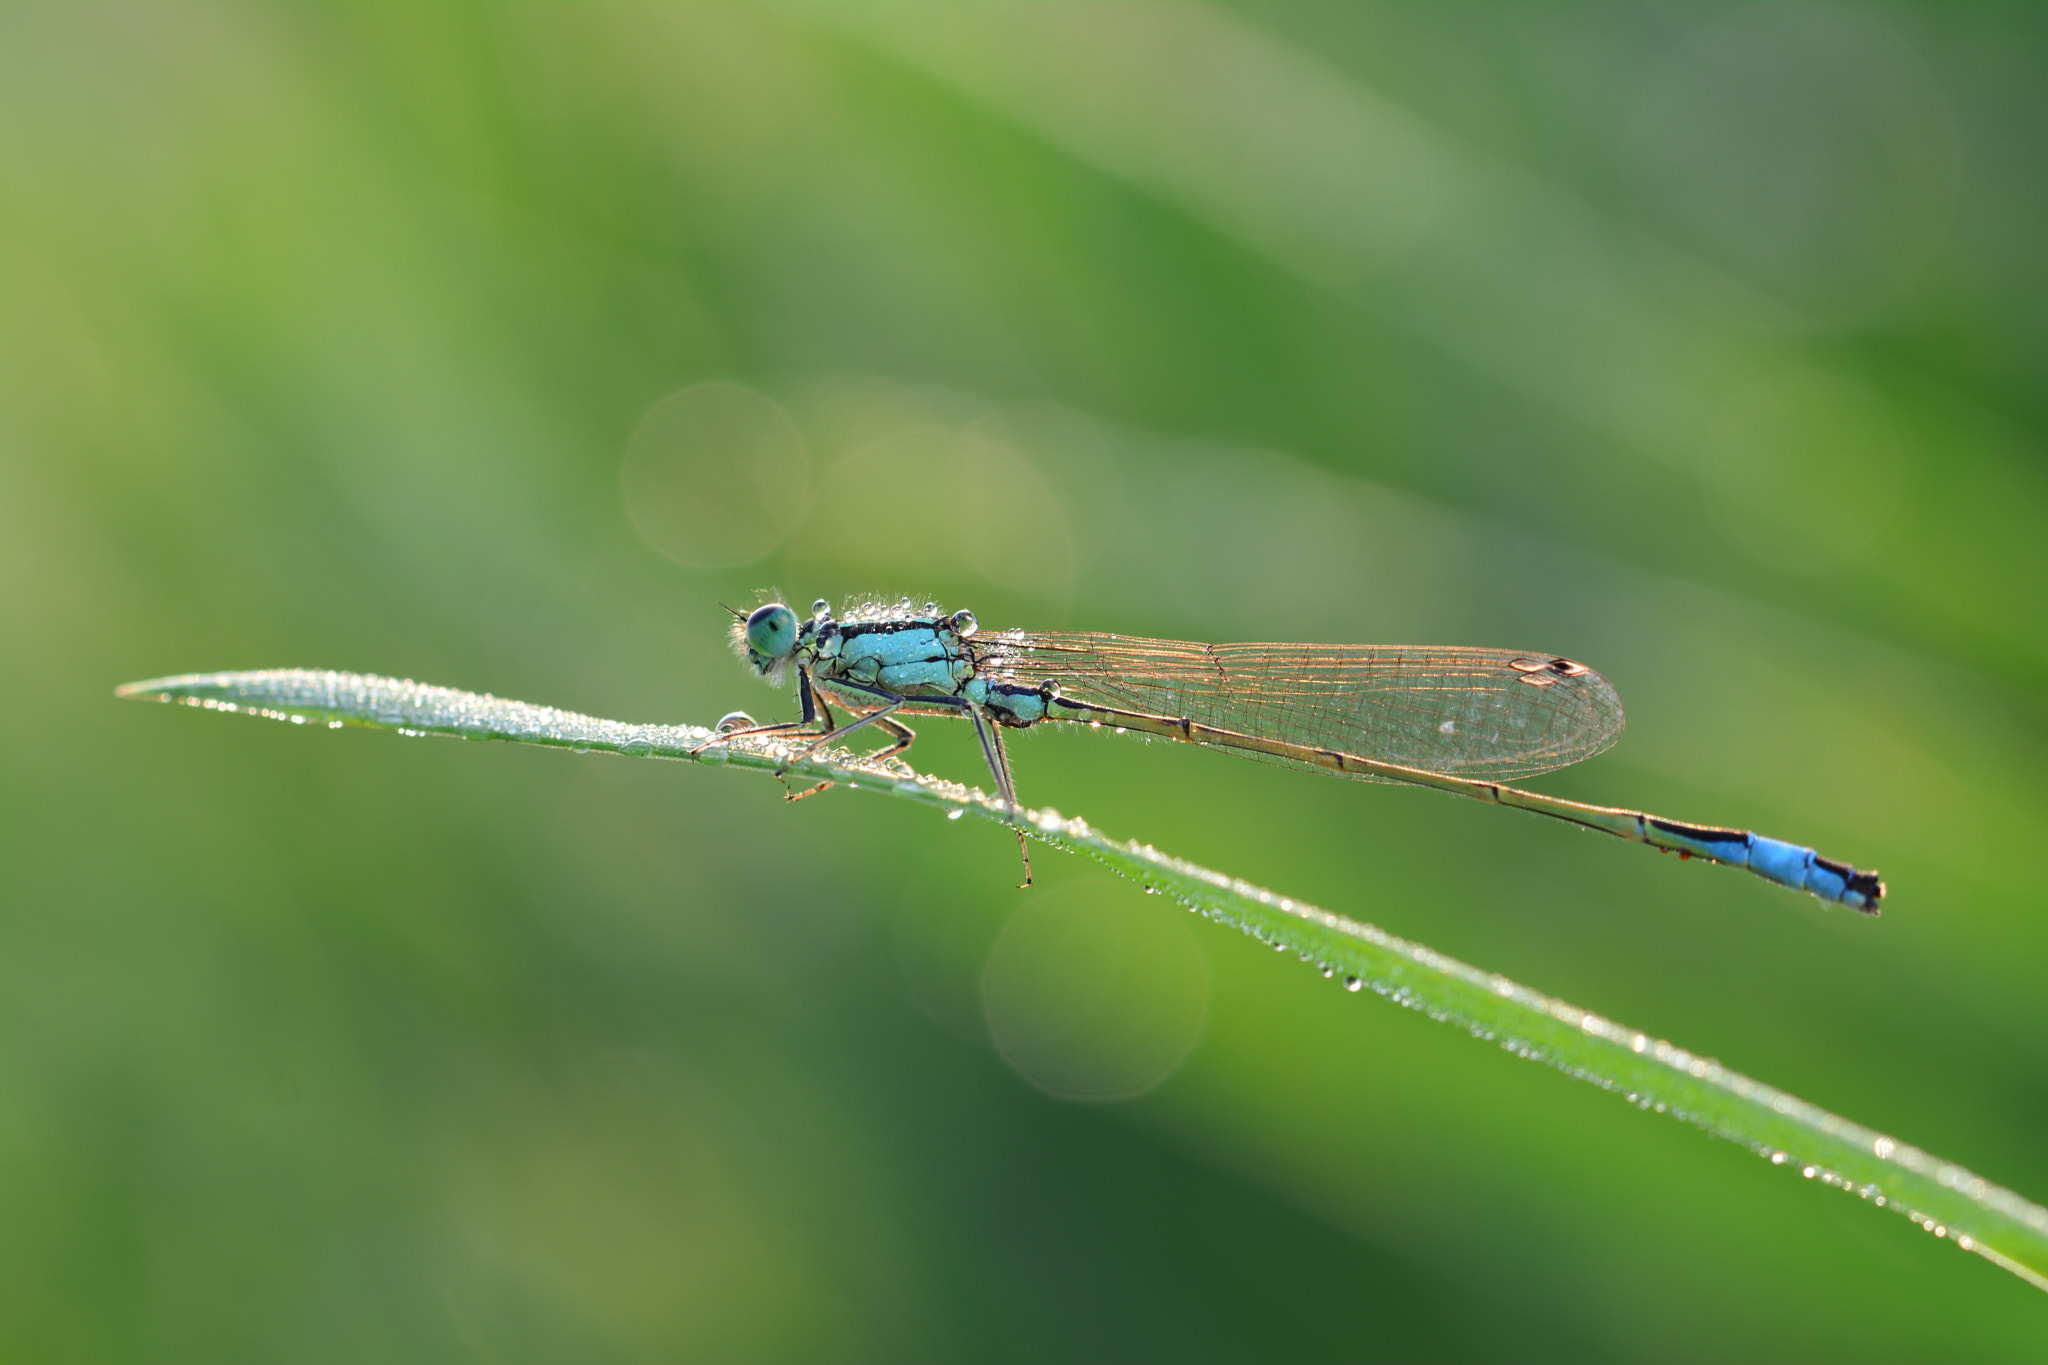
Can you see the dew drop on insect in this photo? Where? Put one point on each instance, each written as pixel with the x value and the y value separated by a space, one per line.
pixel 931 609
pixel 964 624
pixel 1151 890
pixel 1328 971
pixel 955 813
pixel 820 609
pixel 1352 983
pixel 734 720
pixel 1449 727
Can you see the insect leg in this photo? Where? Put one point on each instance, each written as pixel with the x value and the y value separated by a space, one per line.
pixel 811 702
pixel 999 764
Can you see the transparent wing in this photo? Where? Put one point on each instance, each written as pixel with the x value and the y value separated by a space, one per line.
pixel 1489 713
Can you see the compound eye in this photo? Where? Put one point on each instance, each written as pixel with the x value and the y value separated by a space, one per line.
pixel 771 631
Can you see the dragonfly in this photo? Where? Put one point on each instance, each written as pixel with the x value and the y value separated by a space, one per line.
pixel 1447 718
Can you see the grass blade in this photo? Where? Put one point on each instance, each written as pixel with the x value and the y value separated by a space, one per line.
pixel 1938 1196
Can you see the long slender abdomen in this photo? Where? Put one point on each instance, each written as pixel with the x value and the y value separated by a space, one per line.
pixel 1774 860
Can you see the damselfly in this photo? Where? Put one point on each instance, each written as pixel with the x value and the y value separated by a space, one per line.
pixel 1456 720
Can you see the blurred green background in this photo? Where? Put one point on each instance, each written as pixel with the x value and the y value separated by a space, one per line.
pixel 496 347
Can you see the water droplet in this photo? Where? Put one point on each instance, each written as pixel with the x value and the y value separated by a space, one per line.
pixel 964 624
pixel 931 609
pixel 1328 971
pixel 820 609
pixel 1120 730
pixel 1449 727
pixel 1050 689
pixel 579 747
pixel 1352 983
pixel 1151 890
pixel 734 720
pixel 955 813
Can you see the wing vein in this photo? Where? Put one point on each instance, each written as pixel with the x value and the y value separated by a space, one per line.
pixel 1482 713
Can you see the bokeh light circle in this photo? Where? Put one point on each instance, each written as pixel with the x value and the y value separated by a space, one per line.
pixel 715 476
pixel 1094 992
pixel 940 507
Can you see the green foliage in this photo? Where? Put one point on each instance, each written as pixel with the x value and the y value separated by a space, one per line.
pixel 500 345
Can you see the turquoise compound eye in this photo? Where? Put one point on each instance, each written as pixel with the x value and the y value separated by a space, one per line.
pixel 771 631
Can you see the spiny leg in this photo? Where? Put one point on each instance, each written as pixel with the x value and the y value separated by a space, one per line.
pixel 1023 844
pixel 812 704
pixel 879 716
pixel 816 711
pixel 999 763
pixel 902 734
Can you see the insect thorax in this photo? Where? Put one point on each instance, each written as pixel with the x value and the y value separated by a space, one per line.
pixel 915 656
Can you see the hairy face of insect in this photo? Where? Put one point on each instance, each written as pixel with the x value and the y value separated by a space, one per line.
pixel 768 637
